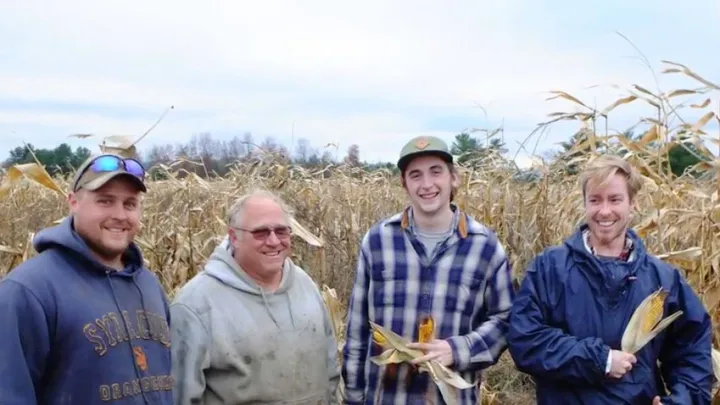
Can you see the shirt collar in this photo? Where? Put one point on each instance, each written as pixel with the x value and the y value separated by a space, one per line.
pixel 459 221
pixel 627 253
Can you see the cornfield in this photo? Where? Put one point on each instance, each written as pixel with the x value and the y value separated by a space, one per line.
pixel 679 217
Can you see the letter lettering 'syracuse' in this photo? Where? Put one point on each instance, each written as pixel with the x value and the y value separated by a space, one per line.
pixel 106 330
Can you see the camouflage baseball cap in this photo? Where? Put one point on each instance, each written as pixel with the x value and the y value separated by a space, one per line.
pixel 424 145
pixel 96 171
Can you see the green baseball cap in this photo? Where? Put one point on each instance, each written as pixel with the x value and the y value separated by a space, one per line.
pixel 424 145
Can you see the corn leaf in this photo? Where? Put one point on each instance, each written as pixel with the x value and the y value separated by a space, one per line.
pixel 304 234
pixel 32 171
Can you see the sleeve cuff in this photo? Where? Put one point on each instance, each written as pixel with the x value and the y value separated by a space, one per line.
pixel 608 364
pixel 460 352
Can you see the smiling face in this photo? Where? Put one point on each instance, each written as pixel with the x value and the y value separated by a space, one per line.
pixel 108 218
pixel 429 182
pixel 607 212
pixel 259 252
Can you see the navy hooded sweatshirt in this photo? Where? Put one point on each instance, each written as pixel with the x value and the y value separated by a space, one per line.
pixel 73 331
pixel 572 309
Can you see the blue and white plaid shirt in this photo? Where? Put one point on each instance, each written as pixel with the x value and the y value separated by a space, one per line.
pixel 466 288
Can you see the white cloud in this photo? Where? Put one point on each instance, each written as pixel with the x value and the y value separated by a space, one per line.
pixel 372 73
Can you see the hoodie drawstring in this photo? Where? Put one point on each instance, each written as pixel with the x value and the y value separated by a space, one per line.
pixel 127 330
pixel 267 307
pixel 292 317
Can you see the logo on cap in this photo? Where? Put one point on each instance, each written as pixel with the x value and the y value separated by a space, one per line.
pixel 422 143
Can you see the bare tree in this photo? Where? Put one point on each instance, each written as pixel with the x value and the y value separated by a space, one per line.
pixel 303 151
pixel 353 156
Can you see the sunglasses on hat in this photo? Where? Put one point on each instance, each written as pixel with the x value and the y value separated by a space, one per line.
pixel 111 163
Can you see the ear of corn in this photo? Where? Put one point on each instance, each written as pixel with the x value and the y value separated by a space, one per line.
pixel 654 312
pixel 447 380
pixel 646 322
pixel 426 330
pixel 379 339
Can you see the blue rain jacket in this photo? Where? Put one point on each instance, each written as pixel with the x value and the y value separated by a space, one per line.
pixel 572 308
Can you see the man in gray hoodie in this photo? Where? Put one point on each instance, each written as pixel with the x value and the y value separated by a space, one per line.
pixel 252 327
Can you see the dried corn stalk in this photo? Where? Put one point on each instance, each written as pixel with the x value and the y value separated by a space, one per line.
pixel 333 304
pixel 396 351
pixel 646 322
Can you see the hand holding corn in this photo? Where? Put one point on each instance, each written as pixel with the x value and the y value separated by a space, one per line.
pixel 398 349
pixel 621 363
pixel 436 349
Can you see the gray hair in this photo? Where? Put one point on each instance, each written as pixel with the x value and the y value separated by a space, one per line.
pixel 238 207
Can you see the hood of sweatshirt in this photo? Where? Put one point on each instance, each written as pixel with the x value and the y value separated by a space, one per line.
pixel 222 266
pixel 64 237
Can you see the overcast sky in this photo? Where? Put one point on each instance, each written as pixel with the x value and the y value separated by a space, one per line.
pixel 373 72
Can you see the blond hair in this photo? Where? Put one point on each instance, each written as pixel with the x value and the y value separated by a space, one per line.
pixel 238 207
pixel 600 170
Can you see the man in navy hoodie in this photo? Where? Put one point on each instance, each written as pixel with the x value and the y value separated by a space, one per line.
pixel 84 322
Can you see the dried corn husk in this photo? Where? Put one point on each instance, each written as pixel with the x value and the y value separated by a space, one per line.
pixel 646 322
pixel 120 145
pixel 332 302
pixel 396 351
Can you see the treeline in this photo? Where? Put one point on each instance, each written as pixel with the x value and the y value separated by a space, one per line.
pixel 203 155
pixel 207 156
pixel 60 160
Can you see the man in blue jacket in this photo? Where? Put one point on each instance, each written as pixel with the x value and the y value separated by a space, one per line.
pixel 576 299
pixel 84 322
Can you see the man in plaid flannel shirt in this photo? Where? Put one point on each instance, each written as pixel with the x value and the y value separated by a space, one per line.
pixel 434 260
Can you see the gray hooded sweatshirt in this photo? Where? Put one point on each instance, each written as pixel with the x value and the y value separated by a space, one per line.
pixel 235 344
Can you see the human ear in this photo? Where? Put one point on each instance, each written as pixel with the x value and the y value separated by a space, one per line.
pixel 73 200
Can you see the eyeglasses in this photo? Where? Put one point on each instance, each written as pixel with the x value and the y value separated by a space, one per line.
pixel 282 232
